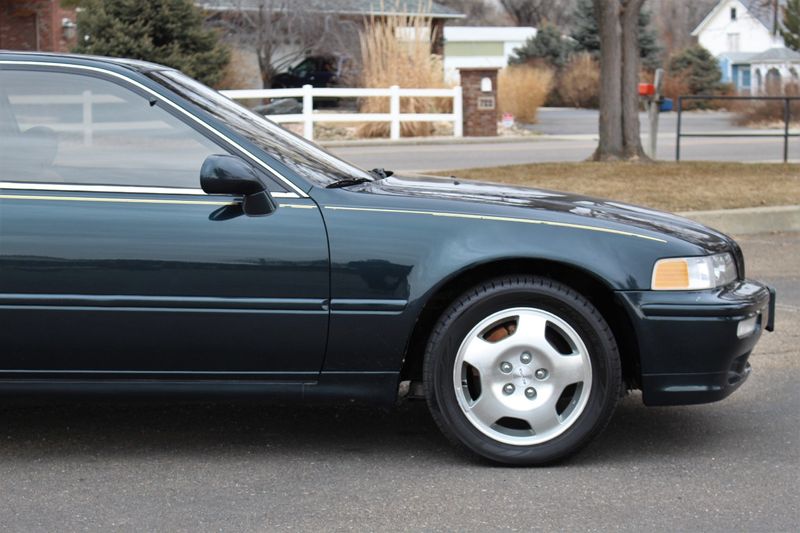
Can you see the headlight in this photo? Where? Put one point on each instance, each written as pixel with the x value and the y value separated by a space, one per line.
pixel 693 273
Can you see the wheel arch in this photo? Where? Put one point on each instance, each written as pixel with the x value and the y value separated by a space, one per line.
pixel 589 285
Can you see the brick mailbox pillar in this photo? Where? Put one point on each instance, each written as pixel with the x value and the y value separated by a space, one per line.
pixel 479 87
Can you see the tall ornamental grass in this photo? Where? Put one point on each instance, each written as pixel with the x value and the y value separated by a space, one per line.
pixel 396 50
pixel 522 90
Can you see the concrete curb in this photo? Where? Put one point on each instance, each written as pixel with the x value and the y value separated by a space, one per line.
pixel 749 220
pixel 414 141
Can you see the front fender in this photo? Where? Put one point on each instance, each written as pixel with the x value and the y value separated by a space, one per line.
pixel 388 260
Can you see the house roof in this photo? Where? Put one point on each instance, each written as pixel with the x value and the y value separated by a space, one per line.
pixel 776 55
pixel 760 10
pixel 343 7
pixel 487 33
pixel 737 58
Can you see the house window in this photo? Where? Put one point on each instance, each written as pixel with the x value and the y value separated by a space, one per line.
pixel 733 13
pixel 745 81
pixel 733 42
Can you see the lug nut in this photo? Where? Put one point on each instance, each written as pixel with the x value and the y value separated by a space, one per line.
pixel 525 358
pixel 508 388
pixel 506 367
pixel 540 373
pixel 530 393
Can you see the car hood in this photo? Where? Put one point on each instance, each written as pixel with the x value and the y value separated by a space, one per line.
pixel 507 196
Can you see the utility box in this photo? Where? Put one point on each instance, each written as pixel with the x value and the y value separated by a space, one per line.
pixel 479 89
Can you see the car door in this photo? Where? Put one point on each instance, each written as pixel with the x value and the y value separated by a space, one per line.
pixel 113 261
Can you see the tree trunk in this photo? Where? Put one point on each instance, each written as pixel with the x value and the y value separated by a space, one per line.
pixel 631 139
pixel 607 13
pixel 618 27
pixel 265 68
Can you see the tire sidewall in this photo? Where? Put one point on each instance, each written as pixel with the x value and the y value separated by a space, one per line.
pixel 555 299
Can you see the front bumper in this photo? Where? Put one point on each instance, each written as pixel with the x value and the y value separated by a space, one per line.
pixel 689 349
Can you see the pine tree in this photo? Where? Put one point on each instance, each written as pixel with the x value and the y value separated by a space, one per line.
pixel 699 67
pixel 548 45
pixel 169 32
pixel 587 38
pixel 790 30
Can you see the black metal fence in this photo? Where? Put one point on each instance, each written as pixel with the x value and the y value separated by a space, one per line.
pixel 787 112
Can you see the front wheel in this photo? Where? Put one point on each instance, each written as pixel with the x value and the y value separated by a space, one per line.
pixel 522 370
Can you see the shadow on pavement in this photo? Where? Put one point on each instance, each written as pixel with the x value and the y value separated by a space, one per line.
pixel 115 430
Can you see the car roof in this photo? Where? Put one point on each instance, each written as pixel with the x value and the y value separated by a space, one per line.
pixel 131 64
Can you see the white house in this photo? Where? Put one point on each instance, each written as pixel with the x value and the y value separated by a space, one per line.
pixel 481 46
pixel 741 35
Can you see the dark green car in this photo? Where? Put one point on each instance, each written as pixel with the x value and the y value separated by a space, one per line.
pixel 157 238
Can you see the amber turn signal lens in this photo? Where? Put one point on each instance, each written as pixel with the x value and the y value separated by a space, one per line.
pixel 671 274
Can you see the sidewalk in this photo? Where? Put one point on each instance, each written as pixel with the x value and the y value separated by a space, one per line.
pixel 749 220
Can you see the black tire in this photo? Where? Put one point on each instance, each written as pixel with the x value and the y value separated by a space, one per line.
pixel 538 293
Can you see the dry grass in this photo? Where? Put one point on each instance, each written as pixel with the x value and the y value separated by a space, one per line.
pixel 239 73
pixel 396 50
pixel 579 84
pixel 522 90
pixel 682 186
pixel 769 112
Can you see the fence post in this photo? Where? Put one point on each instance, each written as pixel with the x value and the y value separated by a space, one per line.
pixel 678 134
pixel 786 111
pixel 87 118
pixel 308 112
pixel 458 112
pixel 394 111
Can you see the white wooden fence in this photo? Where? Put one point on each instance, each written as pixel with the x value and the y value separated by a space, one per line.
pixel 87 126
pixel 394 117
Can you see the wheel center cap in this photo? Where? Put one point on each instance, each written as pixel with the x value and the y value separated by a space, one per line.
pixel 525 374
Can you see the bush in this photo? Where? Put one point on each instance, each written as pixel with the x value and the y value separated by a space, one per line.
pixel 769 112
pixel 579 83
pixel 169 32
pixel 694 71
pixel 396 50
pixel 548 47
pixel 522 90
pixel 241 71
pixel 700 68
pixel 675 85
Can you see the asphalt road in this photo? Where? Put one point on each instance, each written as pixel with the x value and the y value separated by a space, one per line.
pixel 729 466
pixel 570 135
pixel 571 121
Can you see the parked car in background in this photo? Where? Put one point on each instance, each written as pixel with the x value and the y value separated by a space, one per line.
pixel 319 71
pixel 157 238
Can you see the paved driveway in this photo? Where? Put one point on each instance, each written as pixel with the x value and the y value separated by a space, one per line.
pixel 734 465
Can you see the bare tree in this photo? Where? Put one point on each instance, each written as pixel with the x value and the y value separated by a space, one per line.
pixel 675 20
pixel 282 32
pixel 536 12
pixel 619 74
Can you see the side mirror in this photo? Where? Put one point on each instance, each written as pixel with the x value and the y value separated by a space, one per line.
pixel 228 174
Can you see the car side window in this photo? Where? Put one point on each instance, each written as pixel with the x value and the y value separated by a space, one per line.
pixel 58 127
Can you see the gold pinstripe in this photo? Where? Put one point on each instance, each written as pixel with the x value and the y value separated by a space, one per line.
pixel 495 219
pixel 129 200
pixel 110 200
pixel 336 208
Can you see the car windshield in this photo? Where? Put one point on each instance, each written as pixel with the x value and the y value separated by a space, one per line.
pixel 303 157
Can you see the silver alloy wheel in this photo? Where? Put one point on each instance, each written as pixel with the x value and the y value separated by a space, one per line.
pixel 544 392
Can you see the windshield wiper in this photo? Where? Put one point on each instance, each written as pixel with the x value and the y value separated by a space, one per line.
pixel 379 174
pixel 346 182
